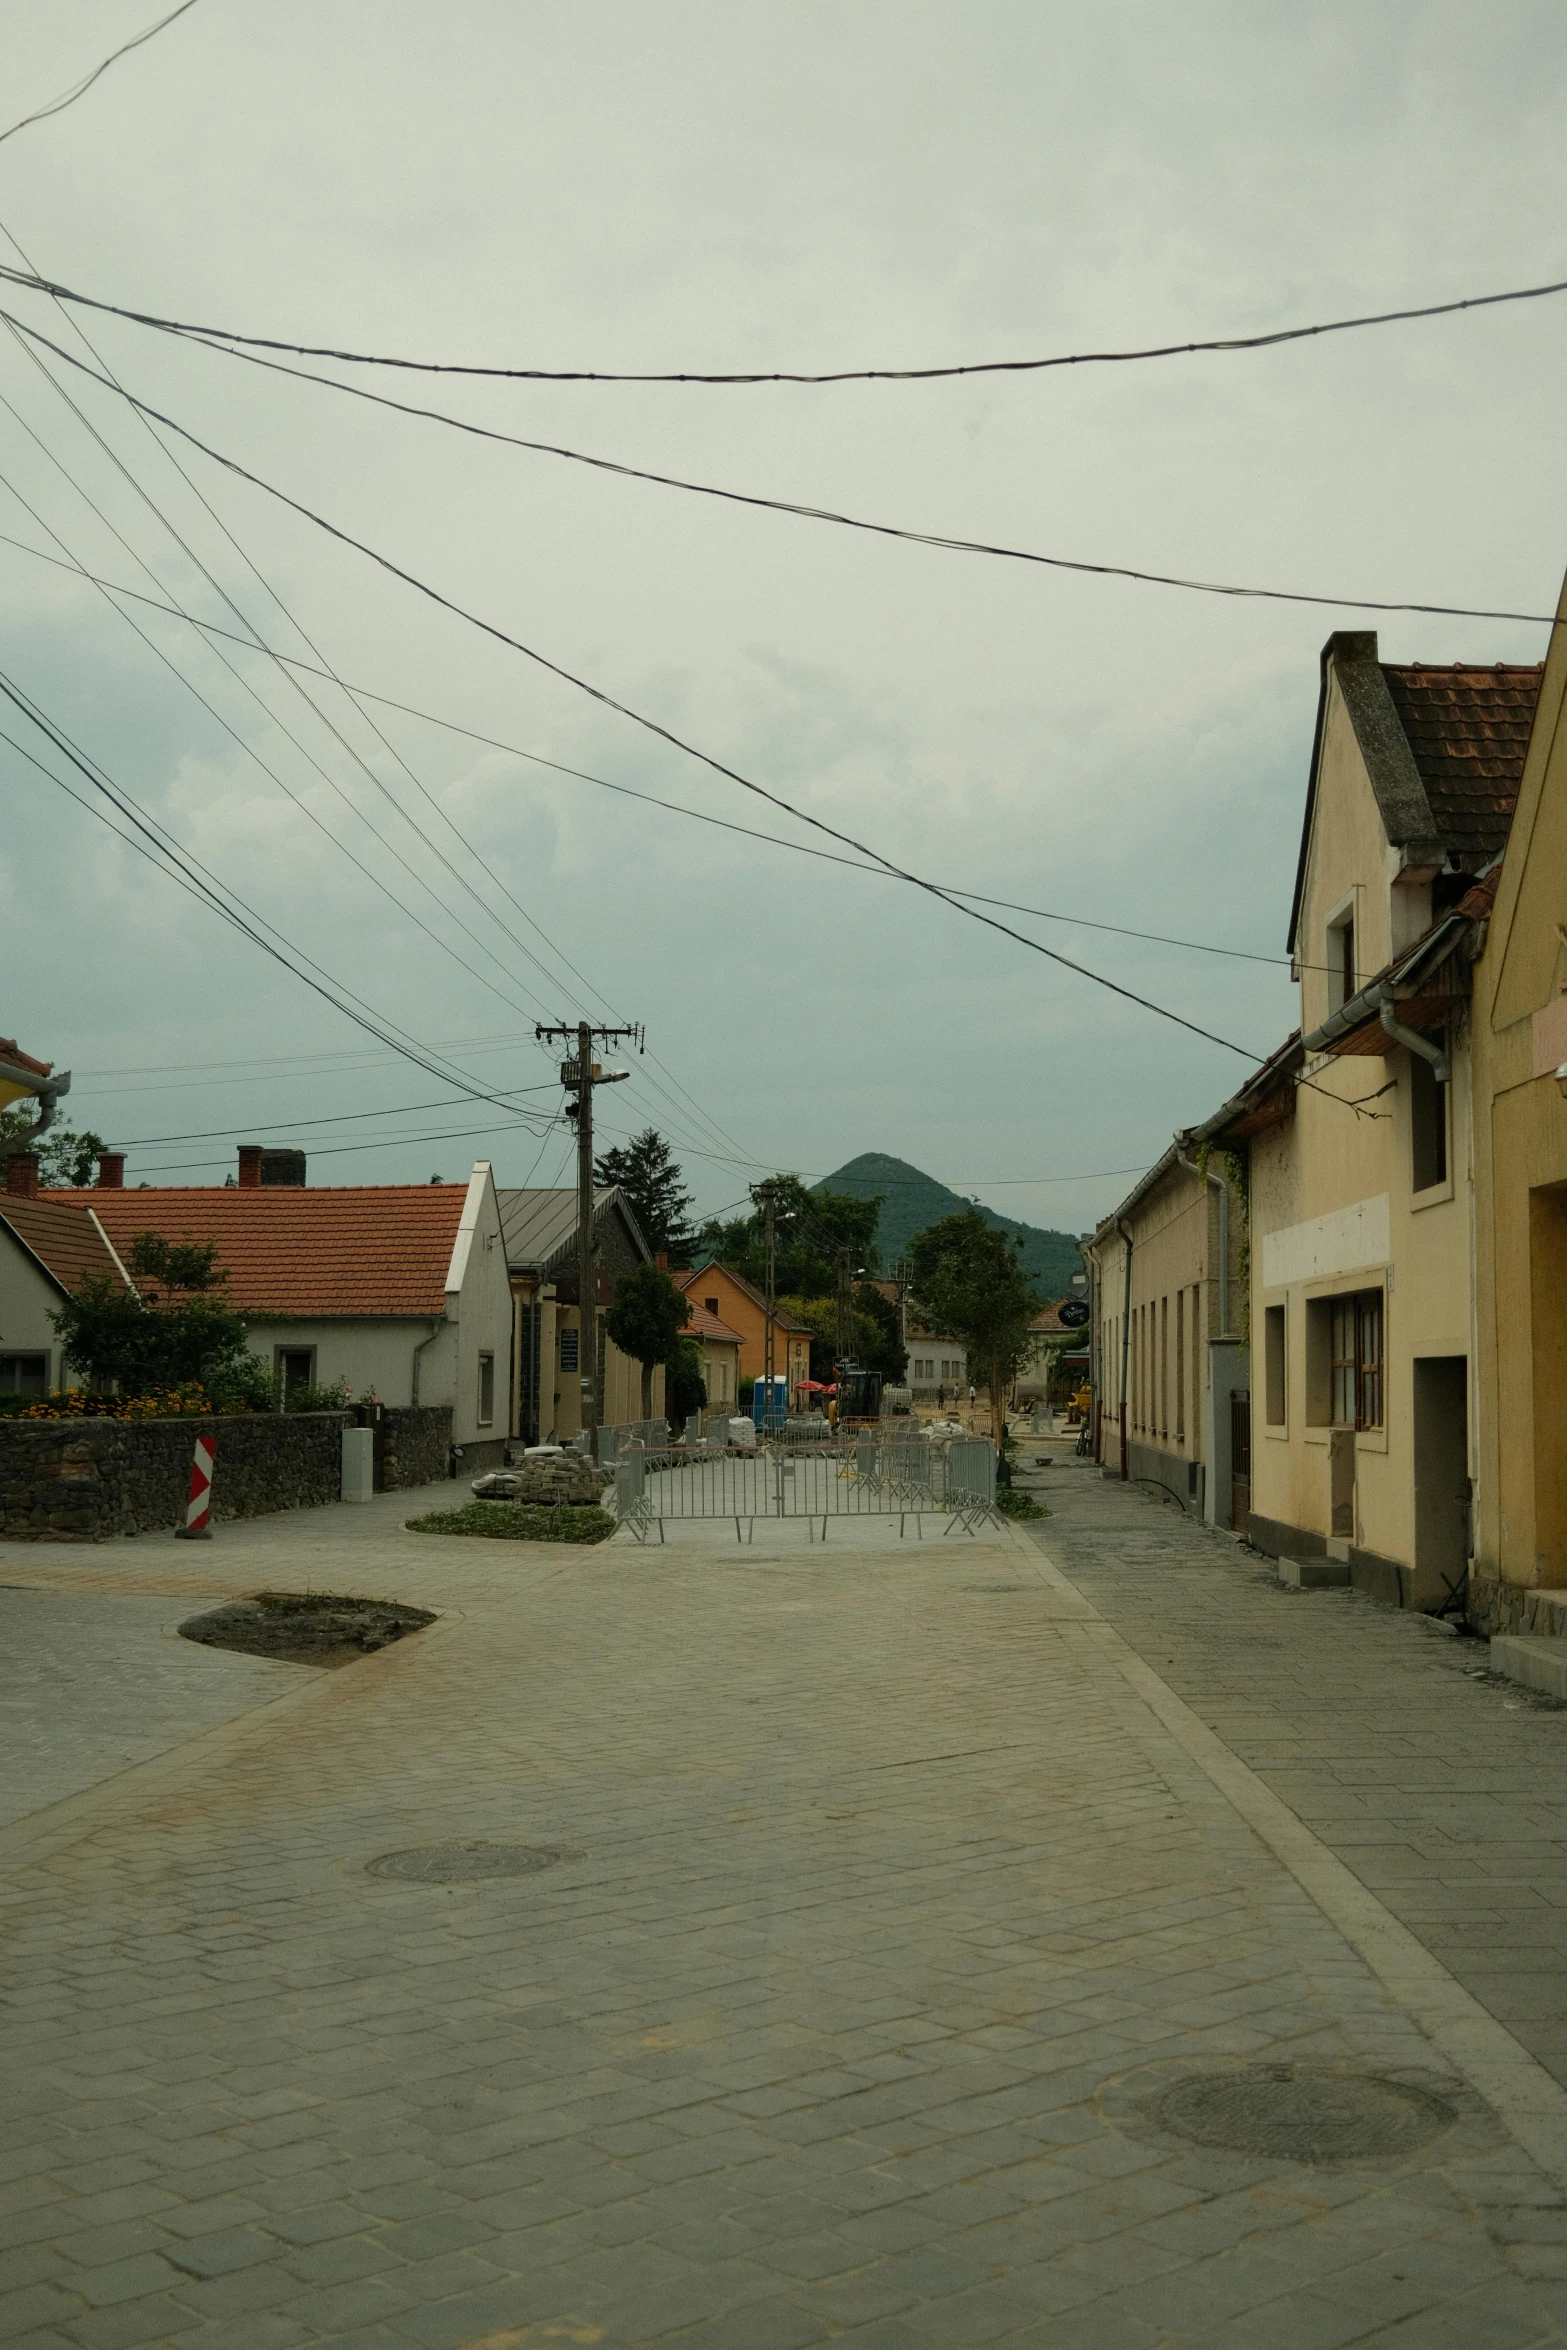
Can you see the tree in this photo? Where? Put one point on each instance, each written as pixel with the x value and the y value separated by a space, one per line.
pixel 66 1160
pixel 968 1281
pixel 685 1389
pixel 175 1334
pixel 655 1193
pixel 646 1320
pixel 872 1334
pixel 811 1231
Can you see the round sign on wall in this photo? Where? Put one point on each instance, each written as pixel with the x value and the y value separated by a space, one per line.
pixel 1072 1313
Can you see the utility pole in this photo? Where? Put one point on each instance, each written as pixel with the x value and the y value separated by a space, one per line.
pixel 845 1303
pixel 580 1076
pixel 767 1193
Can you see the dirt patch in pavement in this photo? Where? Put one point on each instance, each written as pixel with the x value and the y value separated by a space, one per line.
pixel 306 1627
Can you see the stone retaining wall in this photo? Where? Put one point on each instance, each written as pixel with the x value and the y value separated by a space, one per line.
pixel 88 1480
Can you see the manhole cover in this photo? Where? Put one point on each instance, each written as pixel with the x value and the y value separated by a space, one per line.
pixel 467 1860
pixel 1301 2113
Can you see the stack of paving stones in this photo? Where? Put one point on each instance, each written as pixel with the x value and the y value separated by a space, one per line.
pixel 566 1477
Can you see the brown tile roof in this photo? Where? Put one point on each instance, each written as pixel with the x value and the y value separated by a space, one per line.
pixel 705 1325
pixel 64 1238
pixel 360 1249
pixel 11 1051
pixel 1468 727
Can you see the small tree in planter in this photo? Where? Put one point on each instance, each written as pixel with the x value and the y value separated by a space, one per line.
pixel 646 1320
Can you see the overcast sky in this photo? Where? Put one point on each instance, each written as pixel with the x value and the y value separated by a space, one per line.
pixel 713 187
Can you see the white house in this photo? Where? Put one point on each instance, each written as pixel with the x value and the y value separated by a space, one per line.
pixel 399 1289
pixel 46 1252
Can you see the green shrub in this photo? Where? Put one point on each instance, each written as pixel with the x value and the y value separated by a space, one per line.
pixel 1013 1502
pixel 520 1521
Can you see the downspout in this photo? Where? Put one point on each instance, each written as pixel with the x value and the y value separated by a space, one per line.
pixel 1126 1340
pixel 1413 1042
pixel 48 1102
pixel 1221 1183
pixel 435 1331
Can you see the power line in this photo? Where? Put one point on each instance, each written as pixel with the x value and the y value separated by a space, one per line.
pixel 69 97
pixel 885 530
pixel 188 872
pixel 141 1142
pixel 674 807
pixel 1226 343
pixel 705 1120
pixel 650 725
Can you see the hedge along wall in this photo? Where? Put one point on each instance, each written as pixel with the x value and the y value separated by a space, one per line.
pixel 87 1480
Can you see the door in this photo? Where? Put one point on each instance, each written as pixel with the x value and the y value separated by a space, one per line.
pixel 1240 1459
pixel 1442 1535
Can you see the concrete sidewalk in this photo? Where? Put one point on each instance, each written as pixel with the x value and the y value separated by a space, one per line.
pixel 887 1895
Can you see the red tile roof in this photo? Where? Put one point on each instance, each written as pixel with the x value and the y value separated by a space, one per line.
pixel 11 1051
pixel 64 1239
pixel 373 1250
pixel 705 1325
pixel 1468 727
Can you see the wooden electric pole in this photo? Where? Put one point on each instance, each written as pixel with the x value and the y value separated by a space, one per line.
pixel 767 1193
pixel 580 1076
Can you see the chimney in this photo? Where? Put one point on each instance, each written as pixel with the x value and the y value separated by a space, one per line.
pixel 250 1155
pixel 111 1170
pixel 283 1169
pixel 661 1259
pixel 21 1175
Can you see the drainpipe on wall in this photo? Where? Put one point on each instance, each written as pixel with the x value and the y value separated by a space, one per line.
pixel 1411 1041
pixel 435 1331
pixel 1221 1182
pixel 1126 1340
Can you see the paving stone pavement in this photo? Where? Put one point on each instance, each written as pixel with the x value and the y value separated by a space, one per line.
pixel 1442 1786
pixel 886 1904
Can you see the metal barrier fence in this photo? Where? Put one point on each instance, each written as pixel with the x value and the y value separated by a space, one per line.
pixel 866 1479
pixel 613 1441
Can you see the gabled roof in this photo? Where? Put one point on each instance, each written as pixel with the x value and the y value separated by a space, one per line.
pixel 1444 749
pixel 366 1250
pixel 781 1320
pixel 66 1241
pixel 1468 728
pixel 705 1325
pixel 540 1227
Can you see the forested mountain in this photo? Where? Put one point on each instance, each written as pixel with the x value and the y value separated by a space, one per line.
pixel 914 1200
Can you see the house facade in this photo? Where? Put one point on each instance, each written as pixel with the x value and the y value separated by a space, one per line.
pixel 938 1366
pixel 719 1349
pixel 1170 1362
pixel 1519 1081
pixel 539 1230
pixel 401 1290
pixel 734 1301
pixel 1362 1202
pixel 46 1252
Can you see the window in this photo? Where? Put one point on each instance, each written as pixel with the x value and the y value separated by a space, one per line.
pixel 568 1350
pixel 1180 1366
pixel 1340 958
pixel 1355 1363
pixel 1164 1366
pixel 1273 1365
pixel 24 1374
pixel 295 1366
pixel 486 1390
pixel 711 1304
pixel 1427 1125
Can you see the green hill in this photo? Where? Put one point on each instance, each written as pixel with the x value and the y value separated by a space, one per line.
pixel 913 1201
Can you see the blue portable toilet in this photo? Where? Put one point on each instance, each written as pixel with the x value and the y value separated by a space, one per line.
pixel 770 1409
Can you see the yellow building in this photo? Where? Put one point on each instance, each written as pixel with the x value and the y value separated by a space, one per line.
pixel 1362 1202
pixel 1520 1082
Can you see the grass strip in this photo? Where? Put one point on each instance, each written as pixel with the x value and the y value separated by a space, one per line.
pixel 520 1521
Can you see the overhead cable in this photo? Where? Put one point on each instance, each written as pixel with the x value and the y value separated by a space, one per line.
pixel 626 791
pixel 651 725
pixel 941 540
pixel 288 671
pixel 841 375
pixel 81 88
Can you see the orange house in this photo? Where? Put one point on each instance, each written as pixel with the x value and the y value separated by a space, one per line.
pixel 730 1298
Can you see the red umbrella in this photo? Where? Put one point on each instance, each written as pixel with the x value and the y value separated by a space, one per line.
pixel 813 1387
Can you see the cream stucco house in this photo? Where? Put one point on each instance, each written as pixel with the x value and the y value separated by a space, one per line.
pixel 1362 1206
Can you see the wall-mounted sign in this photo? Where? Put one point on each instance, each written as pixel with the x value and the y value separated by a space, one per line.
pixel 1072 1313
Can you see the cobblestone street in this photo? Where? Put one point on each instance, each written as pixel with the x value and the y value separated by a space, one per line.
pixel 894 1903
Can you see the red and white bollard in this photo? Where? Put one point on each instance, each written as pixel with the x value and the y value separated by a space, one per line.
pixel 199 1507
